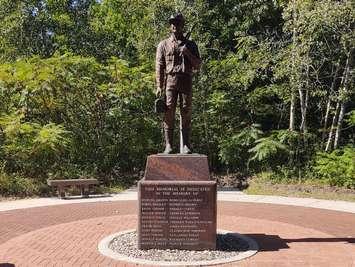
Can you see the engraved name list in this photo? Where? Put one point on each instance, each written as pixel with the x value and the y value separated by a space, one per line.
pixel 177 215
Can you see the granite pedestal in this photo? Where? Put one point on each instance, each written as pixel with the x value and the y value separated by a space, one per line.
pixel 177 204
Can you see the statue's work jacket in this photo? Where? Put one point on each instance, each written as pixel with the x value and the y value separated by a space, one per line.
pixel 169 61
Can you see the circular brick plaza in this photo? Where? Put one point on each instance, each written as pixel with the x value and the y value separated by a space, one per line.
pixel 68 235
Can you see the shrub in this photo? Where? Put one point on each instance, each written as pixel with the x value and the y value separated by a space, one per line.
pixel 30 147
pixel 337 167
pixel 13 185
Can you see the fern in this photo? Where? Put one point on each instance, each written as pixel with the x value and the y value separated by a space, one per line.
pixel 234 149
pixel 51 138
pixel 266 148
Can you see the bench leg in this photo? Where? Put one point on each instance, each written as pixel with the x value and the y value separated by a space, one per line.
pixel 61 192
pixel 85 191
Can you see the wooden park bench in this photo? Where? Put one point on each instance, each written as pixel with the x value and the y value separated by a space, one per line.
pixel 83 184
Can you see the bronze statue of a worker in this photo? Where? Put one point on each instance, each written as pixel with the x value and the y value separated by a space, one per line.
pixel 176 59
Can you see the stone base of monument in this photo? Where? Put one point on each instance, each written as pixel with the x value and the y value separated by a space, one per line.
pixel 177 215
pixel 230 247
pixel 177 219
pixel 177 204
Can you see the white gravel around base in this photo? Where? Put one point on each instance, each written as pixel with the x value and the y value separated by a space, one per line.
pixel 231 247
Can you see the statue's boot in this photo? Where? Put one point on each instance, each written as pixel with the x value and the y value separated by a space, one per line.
pixel 168 135
pixel 186 141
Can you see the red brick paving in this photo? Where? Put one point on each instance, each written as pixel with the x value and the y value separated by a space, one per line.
pixel 18 222
pixel 336 223
pixel 68 235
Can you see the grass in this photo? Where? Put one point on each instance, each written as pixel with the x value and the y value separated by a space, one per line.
pixel 114 189
pixel 263 184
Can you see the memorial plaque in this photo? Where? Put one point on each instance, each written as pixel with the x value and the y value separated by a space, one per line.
pixel 177 215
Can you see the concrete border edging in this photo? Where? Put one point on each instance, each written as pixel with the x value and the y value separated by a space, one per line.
pixel 232 196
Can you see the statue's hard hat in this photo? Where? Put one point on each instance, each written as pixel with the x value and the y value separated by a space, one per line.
pixel 176 17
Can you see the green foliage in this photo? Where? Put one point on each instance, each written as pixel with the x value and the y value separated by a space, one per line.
pixel 29 147
pixel 351 118
pixel 74 111
pixel 234 149
pixel 16 185
pixel 337 167
pixel 77 83
pixel 51 137
pixel 266 149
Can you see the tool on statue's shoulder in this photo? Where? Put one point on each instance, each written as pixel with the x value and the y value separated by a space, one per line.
pixel 183 44
pixel 187 36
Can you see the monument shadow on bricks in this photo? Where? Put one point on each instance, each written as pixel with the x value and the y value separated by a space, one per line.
pixel 177 203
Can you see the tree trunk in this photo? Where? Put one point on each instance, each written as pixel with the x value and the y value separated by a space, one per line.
pixel 305 126
pixel 343 95
pixel 326 120
pixel 304 97
pixel 330 136
pixel 292 112
pixel 302 106
pixel 331 92
pixel 291 126
pixel 338 128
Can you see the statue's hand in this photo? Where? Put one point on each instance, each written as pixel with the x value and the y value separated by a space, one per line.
pixel 159 92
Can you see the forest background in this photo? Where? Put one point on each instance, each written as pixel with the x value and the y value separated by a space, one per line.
pixel 275 93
